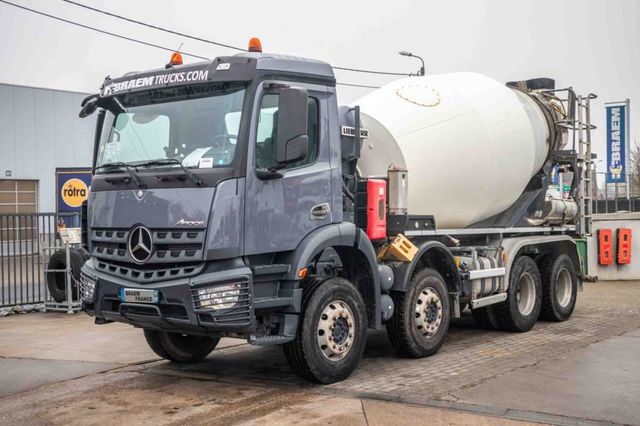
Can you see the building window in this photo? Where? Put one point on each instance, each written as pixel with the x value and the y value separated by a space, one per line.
pixel 18 196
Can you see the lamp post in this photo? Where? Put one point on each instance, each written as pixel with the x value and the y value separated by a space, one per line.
pixel 596 186
pixel 411 55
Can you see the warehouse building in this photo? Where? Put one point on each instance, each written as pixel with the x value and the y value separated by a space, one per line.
pixel 40 134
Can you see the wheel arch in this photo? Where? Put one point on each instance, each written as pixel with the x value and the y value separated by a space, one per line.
pixel 431 254
pixel 357 256
pixel 538 247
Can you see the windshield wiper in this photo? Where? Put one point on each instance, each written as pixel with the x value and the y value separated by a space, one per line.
pixel 120 165
pixel 170 161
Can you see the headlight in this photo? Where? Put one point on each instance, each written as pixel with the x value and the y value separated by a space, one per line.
pixel 219 297
pixel 87 287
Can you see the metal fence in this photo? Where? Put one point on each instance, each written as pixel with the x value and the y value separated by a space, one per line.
pixel 24 240
pixel 616 197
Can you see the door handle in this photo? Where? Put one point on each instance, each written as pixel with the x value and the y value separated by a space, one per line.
pixel 320 211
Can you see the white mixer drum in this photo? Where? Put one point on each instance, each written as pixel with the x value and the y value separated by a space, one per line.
pixel 470 144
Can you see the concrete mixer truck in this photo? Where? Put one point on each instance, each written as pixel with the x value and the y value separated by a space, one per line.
pixel 235 198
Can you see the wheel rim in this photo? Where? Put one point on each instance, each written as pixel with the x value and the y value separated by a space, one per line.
pixel 336 330
pixel 428 312
pixel 563 287
pixel 526 295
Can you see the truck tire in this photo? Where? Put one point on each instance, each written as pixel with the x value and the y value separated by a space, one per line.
pixel 332 331
pixel 520 311
pixel 559 288
pixel 179 347
pixel 56 280
pixel 421 318
pixel 485 318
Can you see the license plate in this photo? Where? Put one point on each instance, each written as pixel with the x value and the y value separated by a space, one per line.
pixel 136 295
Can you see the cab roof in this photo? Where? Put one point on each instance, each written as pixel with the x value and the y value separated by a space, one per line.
pixel 241 67
pixel 287 63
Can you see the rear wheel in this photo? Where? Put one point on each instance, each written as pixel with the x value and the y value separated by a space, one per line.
pixel 421 317
pixel 332 331
pixel 560 288
pixel 524 297
pixel 179 347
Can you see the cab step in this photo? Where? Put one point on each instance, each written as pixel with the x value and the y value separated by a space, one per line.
pixel 270 340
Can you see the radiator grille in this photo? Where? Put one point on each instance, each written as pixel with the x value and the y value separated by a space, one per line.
pixel 175 253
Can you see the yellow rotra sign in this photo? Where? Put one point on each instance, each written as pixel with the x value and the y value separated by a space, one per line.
pixel 74 192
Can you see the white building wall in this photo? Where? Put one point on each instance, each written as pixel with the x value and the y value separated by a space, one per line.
pixel 39 131
pixel 615 272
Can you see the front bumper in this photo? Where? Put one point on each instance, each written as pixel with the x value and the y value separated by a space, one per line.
pixel 178 308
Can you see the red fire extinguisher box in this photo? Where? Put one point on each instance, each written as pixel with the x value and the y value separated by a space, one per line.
pixel 605 247
pixel 624 246
pixel 372 216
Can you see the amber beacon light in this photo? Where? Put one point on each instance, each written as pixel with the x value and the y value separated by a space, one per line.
pixel 176 58
pixel 255 45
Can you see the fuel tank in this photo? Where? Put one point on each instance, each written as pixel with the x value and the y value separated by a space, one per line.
pixel 470 144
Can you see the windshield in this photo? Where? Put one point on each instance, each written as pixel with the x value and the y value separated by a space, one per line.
pixel 197 125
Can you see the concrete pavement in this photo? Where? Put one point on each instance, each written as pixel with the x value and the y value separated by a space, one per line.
pixel 61 369
pixel 43 348
pixel 20 374
pixel 600 382
pixel 133 397
pixel 75 338
pixel 41 354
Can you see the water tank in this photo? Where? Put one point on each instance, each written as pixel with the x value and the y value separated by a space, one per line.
pixel 470 143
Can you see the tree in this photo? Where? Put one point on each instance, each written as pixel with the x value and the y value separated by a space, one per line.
pixel 634 170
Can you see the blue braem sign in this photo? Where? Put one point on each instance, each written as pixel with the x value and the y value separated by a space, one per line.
pixel 616 143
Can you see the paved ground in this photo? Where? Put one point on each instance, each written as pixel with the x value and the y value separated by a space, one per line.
pixel 59 369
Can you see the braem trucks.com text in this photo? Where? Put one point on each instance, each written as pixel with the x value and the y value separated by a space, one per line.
pixel 154 80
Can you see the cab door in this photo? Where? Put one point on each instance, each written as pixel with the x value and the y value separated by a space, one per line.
pixel 280 212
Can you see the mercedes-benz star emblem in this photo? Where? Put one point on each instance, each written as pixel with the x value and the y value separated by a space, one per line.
pixel 140 244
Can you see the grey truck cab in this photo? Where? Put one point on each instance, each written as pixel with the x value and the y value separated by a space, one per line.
pixel 216 187
pixel 226 202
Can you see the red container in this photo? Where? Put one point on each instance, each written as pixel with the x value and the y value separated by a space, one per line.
pixel 376 209
pixel 605 247
pixel 624 246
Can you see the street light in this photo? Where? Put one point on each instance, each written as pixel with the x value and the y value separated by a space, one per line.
pixel 409 54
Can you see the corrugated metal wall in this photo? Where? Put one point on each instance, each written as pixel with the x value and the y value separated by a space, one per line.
pixel 39 131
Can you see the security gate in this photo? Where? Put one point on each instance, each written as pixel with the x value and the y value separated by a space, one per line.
pixel 23 240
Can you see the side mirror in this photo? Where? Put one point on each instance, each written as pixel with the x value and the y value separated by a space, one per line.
pixel 292 141
pixel 88 107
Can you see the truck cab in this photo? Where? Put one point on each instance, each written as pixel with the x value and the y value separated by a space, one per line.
pixel 217 185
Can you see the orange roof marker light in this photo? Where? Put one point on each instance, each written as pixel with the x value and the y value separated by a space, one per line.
pixel 255 45
pixel 176 58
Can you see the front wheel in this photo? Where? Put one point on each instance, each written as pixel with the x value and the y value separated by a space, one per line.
pixel 179 347
pixel 332 331
pixel 421 319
